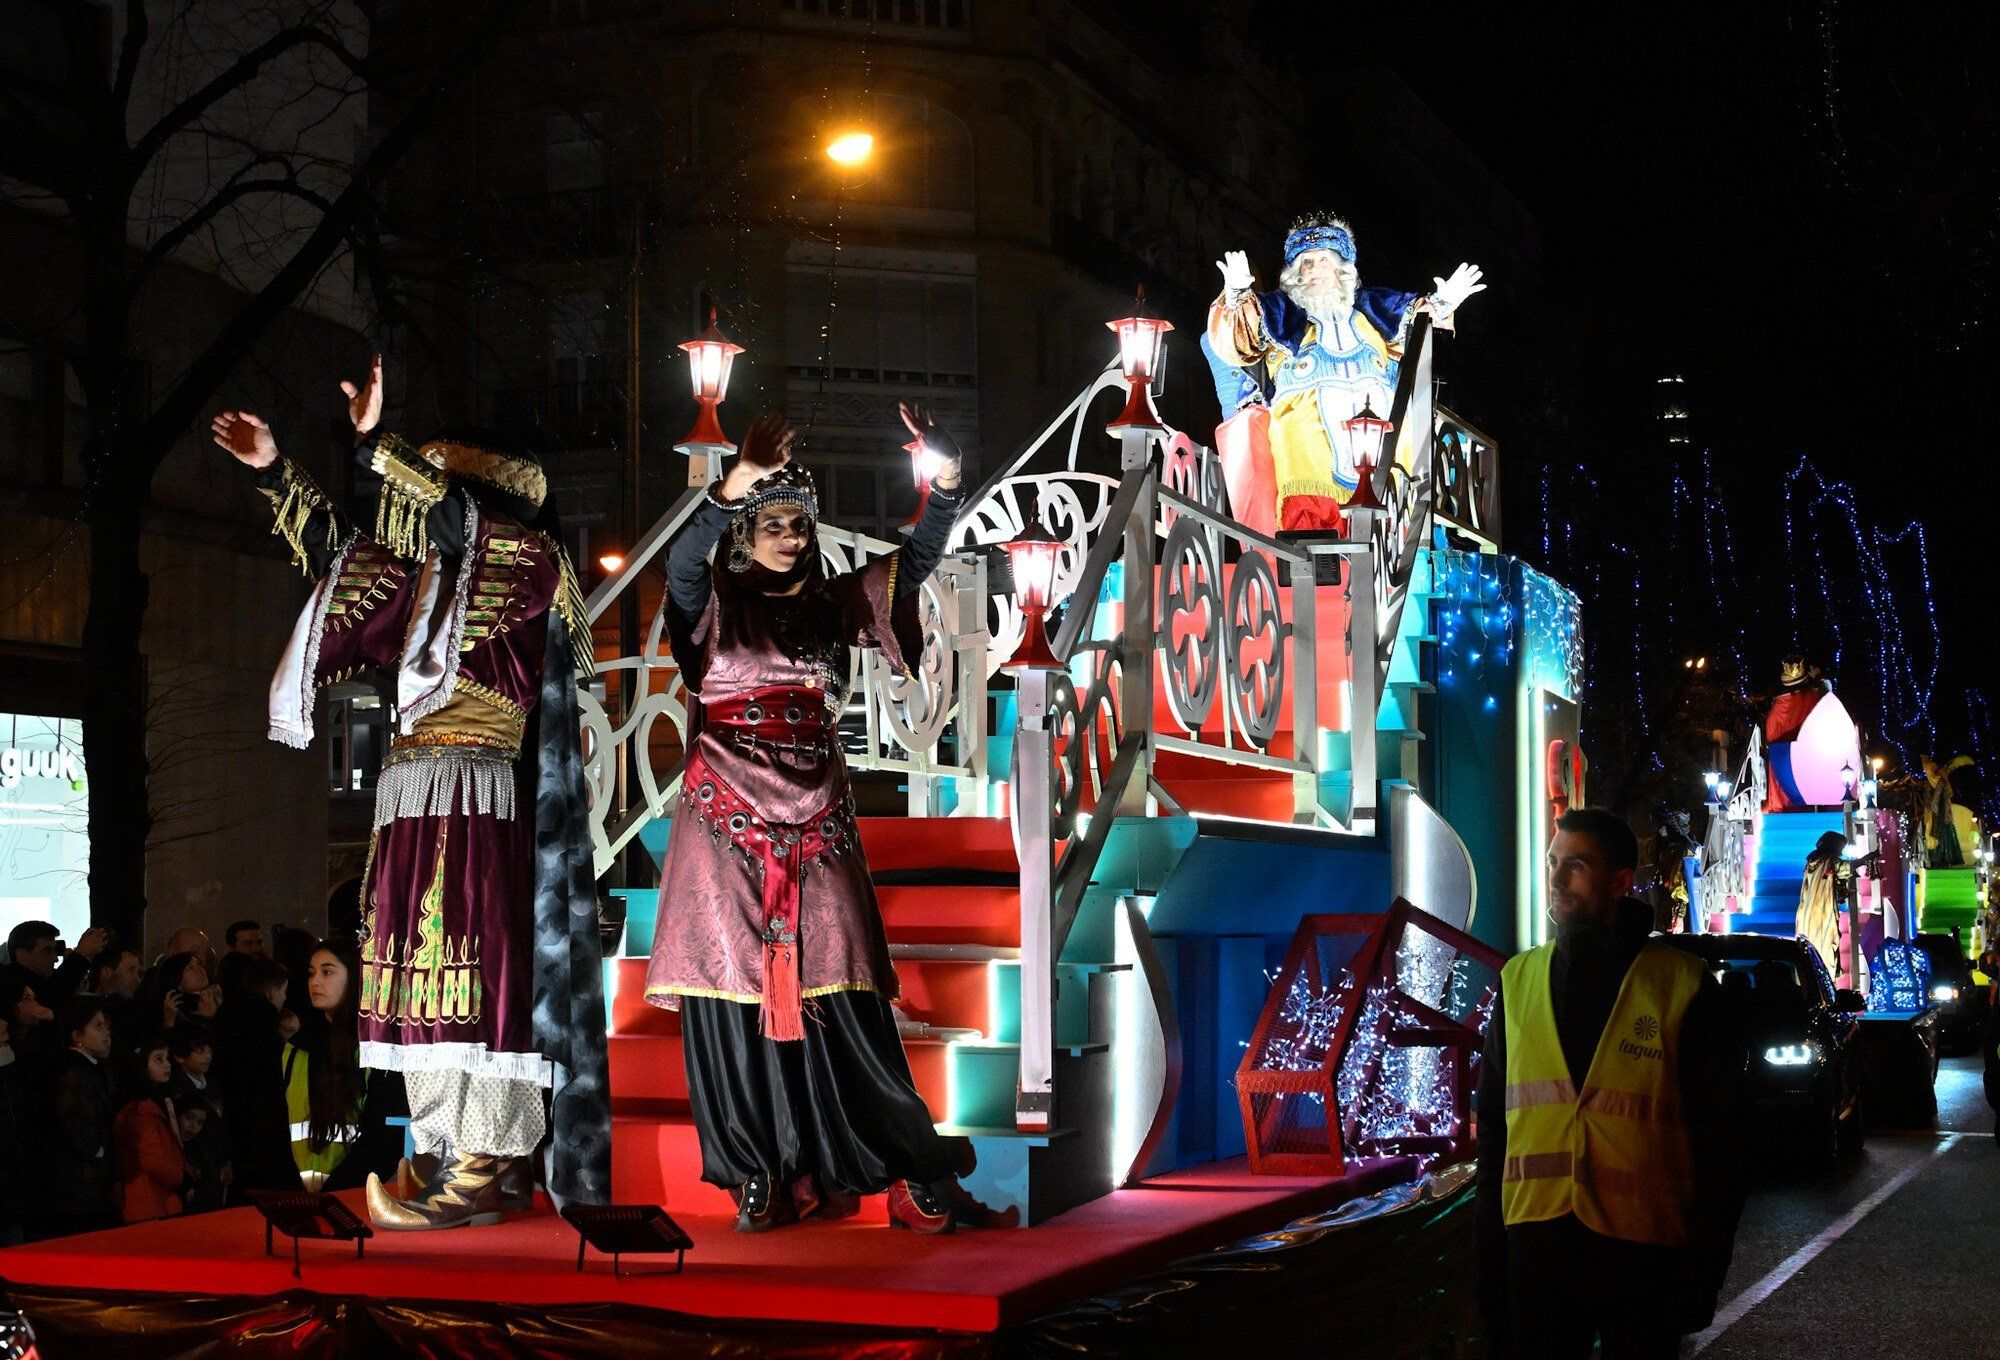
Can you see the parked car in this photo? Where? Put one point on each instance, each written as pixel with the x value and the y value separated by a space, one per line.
pixel 1803 1076
pixel 1961 1005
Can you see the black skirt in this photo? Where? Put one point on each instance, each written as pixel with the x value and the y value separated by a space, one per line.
pixel 838 1105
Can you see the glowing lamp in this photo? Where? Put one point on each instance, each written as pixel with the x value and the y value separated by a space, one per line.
pixel 1032 555
pixel 710 357
pixel 610 562
pixel 1847 778
pixel 1869 790
pixel 924 465
pixel 1366 432
pixel 1714 782
pixel 1140 339
pixel 850 148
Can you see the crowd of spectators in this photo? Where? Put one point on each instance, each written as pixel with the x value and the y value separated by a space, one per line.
pixel 130 1092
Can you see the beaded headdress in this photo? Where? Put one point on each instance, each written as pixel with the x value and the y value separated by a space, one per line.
pixel 1319 231
pixel 789 485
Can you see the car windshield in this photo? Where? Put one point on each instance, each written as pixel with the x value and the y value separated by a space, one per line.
pixel 1764 979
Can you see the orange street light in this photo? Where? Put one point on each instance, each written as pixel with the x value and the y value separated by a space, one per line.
pixel 851 147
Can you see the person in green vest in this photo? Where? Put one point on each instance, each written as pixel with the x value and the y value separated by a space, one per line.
pixel 339 1112
pixel 1608 1178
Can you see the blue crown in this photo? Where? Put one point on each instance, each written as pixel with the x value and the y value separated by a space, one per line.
pixel 1319 235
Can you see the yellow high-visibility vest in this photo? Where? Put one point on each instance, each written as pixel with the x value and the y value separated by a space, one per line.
pixel 1615 1154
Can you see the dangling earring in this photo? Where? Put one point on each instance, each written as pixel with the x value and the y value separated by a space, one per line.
pixel 739 545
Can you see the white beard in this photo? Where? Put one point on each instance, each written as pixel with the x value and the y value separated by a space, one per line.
pixel 1325 303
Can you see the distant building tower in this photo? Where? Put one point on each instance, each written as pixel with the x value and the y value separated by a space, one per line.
pixel 1671 416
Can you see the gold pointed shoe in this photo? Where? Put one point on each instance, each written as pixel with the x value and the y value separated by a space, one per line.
pixel 465 1191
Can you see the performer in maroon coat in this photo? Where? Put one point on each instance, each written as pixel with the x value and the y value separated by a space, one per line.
pixel 769 941
pixel 481 971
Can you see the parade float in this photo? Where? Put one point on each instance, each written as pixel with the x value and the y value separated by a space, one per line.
pixel 1198 846
pixel 1803 844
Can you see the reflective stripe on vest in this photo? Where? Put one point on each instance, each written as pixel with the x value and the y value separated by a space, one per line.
pixel 1614 1153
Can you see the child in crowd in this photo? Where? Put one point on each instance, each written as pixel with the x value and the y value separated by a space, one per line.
pixel 288 1024
pixel 206 1144
pixel 155 1169
pixel 193 1055
pixel 210 1150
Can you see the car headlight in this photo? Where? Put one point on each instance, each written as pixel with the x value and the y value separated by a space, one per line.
pixel 1944 991
pixel 1791 1055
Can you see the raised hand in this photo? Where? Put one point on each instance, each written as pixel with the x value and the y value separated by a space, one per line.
pixel 1235 267
pixel 1451 292
pixel 766 448
pixel 364 403
pixel 939 461
pixel 246 438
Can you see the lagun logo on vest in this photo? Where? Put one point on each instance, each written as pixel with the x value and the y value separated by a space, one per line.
pixel 1647 1028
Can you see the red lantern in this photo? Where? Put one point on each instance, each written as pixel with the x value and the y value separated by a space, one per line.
pixel 710 356
pixel 1032 555
pixel 1366 432
pixel 1140 338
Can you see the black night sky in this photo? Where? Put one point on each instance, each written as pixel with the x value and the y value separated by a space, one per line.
pixel 1796 206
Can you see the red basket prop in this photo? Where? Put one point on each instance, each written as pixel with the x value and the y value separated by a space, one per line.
pixel 1357 1015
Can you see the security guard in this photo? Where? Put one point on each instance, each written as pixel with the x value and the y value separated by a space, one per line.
pixel 1608 1184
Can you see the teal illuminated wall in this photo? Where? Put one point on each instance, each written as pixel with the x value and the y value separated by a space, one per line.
pixel 1506 666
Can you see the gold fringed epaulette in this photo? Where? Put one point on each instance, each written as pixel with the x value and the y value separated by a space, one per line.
pixel 569 604
pixel 411 486
pixel 293 505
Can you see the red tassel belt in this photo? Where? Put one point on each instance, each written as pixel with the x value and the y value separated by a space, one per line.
pixel 782 853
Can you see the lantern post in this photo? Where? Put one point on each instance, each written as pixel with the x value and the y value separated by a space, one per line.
pixel 710 357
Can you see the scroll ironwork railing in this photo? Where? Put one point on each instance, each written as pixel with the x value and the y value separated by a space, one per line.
pixel 1153 571
pixel 1728 869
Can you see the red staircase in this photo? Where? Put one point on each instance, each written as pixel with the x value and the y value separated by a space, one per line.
pixel 947 921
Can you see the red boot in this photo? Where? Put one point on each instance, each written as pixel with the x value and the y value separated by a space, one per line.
pixel 913 1206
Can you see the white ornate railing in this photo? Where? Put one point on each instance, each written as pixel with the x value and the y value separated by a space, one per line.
pixel 1228 616
pixel 904 722
pixel 1728 867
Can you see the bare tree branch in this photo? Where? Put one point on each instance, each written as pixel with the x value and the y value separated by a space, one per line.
pixel 137 28
pixel 240 73
pixel 182 403
pixel 230 193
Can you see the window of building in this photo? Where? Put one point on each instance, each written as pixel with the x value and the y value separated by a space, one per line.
pixel 934 14
pixel 923 156
pixel 42 419
pixel 894 328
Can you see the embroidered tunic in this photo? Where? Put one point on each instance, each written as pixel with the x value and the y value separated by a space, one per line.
pixel 764 843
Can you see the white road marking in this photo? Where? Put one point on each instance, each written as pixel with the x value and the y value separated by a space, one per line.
pixel 1732 1312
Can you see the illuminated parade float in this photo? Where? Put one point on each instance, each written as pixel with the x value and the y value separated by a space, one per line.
pixel 1198 845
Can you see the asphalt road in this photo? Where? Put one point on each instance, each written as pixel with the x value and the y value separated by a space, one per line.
pixel 1892 1255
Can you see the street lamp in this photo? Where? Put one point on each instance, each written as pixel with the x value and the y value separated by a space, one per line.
pixel 1140 338
pixel 710 357
pixel 1032 556
pixel 850 147
pixel 1366 432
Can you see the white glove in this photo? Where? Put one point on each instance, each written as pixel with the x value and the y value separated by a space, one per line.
pixel 1462 284
pixel 1236 275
